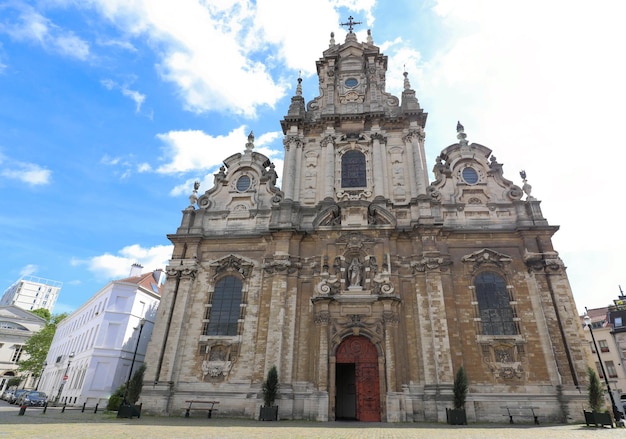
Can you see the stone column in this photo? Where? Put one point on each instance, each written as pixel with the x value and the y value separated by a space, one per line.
pixel 410 159
pixel 419 160
pixel 379 179
pixel 329 174
pixel 289 172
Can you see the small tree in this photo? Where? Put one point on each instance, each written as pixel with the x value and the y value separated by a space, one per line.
pixel 37 347
pixel 596 391
pixel 460 388
pixel 135 385
pixel 270 387
pixel 15 381
pixel 115 400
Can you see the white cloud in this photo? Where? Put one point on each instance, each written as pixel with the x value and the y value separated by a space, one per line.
pixel 134 95
pixel 28 270
pixel 29 173
pixel 117 266
pixel 29 25
pixel 195 150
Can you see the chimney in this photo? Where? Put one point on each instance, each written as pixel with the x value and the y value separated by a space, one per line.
pixel 135 270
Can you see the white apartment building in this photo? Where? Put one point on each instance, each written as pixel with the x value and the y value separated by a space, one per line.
pixel 32 292
pixel 608 350
pixel 94 347
pixel 16 327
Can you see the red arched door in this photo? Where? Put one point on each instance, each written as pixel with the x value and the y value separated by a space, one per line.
pixel 357 363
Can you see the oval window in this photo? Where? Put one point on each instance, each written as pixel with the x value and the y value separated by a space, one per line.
pixel 243 184
pixel 470 176
pixel 351 82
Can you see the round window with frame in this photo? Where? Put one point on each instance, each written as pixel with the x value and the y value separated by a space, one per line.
pixel 243 183
pixel 469 175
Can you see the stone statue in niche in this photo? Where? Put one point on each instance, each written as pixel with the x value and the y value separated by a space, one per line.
pixel 354 273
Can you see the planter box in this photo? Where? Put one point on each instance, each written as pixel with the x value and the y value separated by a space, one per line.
pixel 129 411
pixel 456 416
pixel 598 419
pixel 269 413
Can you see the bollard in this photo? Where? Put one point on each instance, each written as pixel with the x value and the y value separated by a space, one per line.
pixel 22 410
pixel 96 409
pixel 84 405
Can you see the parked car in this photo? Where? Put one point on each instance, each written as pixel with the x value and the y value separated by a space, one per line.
pixel 6 395
pixel 15 395
pixel 32 397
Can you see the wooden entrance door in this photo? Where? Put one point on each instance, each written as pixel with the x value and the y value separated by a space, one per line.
pixel 363 354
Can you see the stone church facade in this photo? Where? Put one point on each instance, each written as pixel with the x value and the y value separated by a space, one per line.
pixel 367 285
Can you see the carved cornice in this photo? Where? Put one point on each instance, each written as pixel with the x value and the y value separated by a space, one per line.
pixel 431 263
pixel 328 140
pixel 486 257
pixel 289 140
pixel 232 264
pixel 322 318
pixel 182 272
pixel 413 135
pixel 281 264
pixel 548 262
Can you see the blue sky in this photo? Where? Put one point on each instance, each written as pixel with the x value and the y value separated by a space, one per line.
pixel 110 109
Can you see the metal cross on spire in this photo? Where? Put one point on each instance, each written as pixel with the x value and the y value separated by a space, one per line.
pixel 350 23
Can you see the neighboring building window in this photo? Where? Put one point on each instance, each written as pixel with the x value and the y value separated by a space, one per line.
pixel 496 314
pixel 225 307
pixel 353 172
pixel 599 369
pixel 17 354
pixel 593 348
pixel 618 322
pixel 604 346
pixel 610 369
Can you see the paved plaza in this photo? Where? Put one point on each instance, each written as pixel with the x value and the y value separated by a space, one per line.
pixel 74 424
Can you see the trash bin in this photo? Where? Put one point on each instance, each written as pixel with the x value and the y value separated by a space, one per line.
pixel 22 410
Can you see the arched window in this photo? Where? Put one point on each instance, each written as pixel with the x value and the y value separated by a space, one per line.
pixel 496 313
pixel 353 169
pixel 225 307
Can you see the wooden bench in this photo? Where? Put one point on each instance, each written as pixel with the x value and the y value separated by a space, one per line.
pixel 210 409
pixel 522 412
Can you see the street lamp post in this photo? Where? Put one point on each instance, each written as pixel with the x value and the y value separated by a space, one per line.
pixel 617 415
pixel 65 377
pixel 45 363
pixel 142 322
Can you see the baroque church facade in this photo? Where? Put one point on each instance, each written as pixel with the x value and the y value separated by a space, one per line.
pixel 366 284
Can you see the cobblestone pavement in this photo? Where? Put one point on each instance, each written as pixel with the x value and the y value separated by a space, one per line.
pixel 74 424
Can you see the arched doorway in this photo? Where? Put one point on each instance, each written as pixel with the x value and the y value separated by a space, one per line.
pixel 357 381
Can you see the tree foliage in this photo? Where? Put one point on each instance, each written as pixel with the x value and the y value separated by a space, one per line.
pixel 37 347
pixel 136 384
pixel 270 387
pixel 134 390
pixel 596 391
pixel 460 388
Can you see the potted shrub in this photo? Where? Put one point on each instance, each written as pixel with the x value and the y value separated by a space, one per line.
pixel 595 391
pixel 269 411
pixel 457 416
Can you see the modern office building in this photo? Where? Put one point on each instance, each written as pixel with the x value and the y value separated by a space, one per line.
pixel 32 292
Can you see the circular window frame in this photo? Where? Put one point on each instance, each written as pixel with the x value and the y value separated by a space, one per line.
pixel 351 82
pixel 472 179
pixel 239 180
